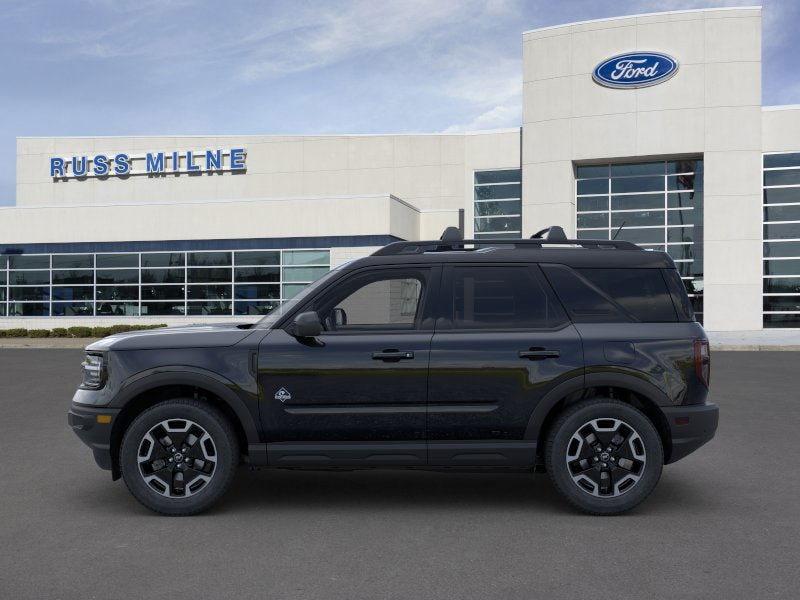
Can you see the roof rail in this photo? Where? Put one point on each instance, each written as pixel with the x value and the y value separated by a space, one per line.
pixel 449 246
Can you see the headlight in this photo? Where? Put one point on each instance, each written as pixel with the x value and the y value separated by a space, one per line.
pixel 94 372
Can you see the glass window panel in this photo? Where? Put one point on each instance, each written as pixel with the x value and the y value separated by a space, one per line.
pixel 593 220
pixel 637 219
pixel 684 166
pixel 791 159
pixel 306 257
pixel 117 261
pixel 680 234
pixel 684 217
pixel 642 292
pixel 781 249
pixel 584 303
pixel 782 267
pixel 209 292
pixel 209 259
pixel 292 289
pixel 117 275
pixel 258 258
pixel 164 259
pixel 80 292
pixel 782 285
pixel 593 203
pixel 592 186
pixel 685 199
pixel 208 308
pixel 506 207
pixel 681 251
pixel 253 292
pixel 782 213
pixel 642 236
pixel 209 275
pixel 292 274
pixel 29 277
pixel 788 177
pixel 492 192
pixel 73 309
pixel 653 247
pixel 648 168
pixel 73 261
pixel 640 201
pixel 593 234
pixel 257 274
pixel 86 277
pixel 3 262
pixel 777 321
pixel 637 184
pixel 507 175
pixel 782 231
pixel 3 309
pixel 28 309
pixel 254 308
pixel 683 182
pixel 782 303
pixel 163 276
pixel 118 309
pixel 118 292
pixel 29 293
pixel 163 309
pixel 27 261
pixel 2 294
pixel 499 224
pixel 162 292
pixel 497 236
pixel 587 171
pixel 782 195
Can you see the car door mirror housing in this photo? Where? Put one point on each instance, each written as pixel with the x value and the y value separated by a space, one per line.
pixel 306 325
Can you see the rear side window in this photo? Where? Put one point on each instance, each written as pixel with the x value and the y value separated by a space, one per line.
pixel 613 295
pixel 642 292
pixel 679 298
pixel 502 297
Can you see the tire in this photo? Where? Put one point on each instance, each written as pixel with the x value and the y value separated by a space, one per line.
pixel 207 452
pixel 632 468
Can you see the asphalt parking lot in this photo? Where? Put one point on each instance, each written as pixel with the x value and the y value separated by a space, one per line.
pixel 723 523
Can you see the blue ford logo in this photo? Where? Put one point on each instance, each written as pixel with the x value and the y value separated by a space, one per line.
pixel 635 70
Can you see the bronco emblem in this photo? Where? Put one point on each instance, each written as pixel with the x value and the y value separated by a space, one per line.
pixel 283 395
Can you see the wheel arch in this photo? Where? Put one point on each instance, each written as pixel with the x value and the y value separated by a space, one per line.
pixel 626 388
pixel 149 389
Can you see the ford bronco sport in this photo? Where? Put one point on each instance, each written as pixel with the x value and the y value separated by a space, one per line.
pixel 579 357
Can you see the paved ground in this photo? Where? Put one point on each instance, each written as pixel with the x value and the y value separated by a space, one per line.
pixel 724 523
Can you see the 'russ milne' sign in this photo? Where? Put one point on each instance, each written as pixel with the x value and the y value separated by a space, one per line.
pixel 635 70
pixel 122 164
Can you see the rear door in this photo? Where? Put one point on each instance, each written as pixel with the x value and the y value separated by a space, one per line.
pixel 502 342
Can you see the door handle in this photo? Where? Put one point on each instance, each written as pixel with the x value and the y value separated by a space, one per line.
pixel 539 354
pixel 393 355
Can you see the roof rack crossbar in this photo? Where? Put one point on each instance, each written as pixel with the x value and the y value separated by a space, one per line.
pixel 421 247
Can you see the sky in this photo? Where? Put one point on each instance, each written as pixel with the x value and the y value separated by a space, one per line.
pixel 172 67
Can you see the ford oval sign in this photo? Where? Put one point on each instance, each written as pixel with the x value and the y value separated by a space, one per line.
pixel 635 70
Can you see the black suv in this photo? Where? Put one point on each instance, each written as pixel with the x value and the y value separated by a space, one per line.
pixel 579 357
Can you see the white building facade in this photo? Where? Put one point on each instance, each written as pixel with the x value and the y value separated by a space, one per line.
pixel 667 146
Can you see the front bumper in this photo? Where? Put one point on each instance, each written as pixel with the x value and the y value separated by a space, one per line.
pixel 690 427
pixel 94 432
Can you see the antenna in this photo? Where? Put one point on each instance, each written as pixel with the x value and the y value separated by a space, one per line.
pixel 618 230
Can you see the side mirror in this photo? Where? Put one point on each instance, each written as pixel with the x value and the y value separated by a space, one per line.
pixel 306 325
pixel 339 317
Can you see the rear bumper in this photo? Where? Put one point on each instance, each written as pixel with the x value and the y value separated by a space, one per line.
pixel 83 421
pixel 690 427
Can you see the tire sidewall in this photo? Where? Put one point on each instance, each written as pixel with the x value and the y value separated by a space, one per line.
pixel 214 424
pixel 576 418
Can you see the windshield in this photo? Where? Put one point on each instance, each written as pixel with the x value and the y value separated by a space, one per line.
pixel 288 306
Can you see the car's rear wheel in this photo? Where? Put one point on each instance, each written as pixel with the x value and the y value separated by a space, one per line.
pixel 179 457
pixel 604 456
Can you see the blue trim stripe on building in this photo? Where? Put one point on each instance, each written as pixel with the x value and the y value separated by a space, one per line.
pixel 288 243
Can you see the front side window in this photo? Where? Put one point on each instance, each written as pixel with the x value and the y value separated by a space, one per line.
pixel 500 297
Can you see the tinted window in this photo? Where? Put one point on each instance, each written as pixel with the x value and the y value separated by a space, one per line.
pixel 642 292
pixel 502 298
pixel 585 303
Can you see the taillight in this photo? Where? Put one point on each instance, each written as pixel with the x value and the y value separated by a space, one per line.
pixel 702 361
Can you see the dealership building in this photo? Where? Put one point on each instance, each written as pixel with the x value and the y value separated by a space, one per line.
pixel 649 128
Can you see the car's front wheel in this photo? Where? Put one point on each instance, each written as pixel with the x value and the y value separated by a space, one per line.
pixel 604 456
pixel 179 456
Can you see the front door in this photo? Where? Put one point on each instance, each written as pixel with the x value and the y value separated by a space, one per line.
pixel 502 342
pixel 359 391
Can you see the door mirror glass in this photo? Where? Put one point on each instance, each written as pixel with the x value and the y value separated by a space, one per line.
pixel 306 325
pixel 339 317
